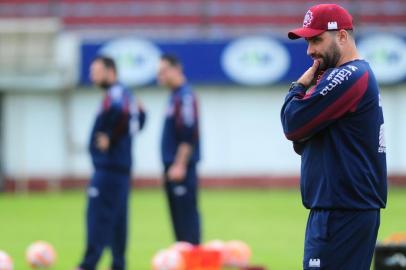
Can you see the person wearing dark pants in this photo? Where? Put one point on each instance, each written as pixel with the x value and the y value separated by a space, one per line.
pixel 107 217
pixel 182 200
pixel 333 115
pixel 180 148
pixel 110 147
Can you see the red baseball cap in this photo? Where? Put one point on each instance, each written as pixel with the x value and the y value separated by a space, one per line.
pixel 321 18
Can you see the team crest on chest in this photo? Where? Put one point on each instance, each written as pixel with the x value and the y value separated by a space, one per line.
pixel 308 18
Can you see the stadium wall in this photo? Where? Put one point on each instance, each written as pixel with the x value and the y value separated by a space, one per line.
pixel 45 137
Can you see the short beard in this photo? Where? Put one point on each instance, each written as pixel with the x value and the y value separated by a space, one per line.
pixel 105 85
pixel 330 59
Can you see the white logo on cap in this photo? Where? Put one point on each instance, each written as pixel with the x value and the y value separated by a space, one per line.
pixel 308 18
pixel 332 26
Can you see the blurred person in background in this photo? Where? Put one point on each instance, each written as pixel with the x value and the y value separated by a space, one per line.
pixel 180 150
pixel 110 147
pixel 337 127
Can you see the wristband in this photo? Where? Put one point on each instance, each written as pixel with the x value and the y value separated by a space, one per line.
pixel 295 84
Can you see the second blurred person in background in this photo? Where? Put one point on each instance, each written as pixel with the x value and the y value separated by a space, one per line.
pixel 180 151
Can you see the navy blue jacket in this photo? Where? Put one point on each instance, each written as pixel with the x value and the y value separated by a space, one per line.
pixel 119 117
pixel 338 129
pixel 181 125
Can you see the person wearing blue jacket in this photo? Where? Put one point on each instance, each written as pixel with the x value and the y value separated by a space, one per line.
pixel 180 151
pixel 333 114
pixel 118 119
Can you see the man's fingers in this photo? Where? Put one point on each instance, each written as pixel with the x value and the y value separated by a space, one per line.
pixel 309 76
pixel 176 174
pixel 102 141
pixel 315 65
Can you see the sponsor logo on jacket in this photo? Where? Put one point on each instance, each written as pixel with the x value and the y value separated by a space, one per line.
pixel 337 77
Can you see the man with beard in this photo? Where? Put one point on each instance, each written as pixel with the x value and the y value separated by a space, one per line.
pixel 119 117
pixel 333 115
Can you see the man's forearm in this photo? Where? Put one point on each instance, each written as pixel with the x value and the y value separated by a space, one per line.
pixel 183 154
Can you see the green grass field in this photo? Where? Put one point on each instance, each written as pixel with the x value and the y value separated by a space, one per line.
pixel 272 222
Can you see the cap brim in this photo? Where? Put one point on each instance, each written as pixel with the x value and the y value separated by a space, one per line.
pixel 304 32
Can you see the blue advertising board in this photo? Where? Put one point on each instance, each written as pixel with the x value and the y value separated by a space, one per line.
pixel 254 61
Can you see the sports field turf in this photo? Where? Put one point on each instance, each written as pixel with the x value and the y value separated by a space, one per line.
pixel 272 222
